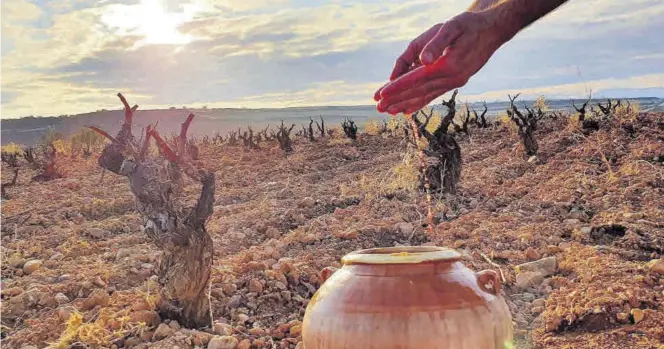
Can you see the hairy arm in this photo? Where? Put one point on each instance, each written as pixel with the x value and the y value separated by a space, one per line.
pixel 515 15
pixel 447 55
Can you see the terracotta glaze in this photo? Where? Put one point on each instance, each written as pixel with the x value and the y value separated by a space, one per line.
pixel 407 297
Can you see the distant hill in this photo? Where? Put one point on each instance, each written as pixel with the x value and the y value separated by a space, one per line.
pixel 29 130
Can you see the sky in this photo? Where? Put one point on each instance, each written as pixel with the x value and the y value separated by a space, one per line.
pixel 74 56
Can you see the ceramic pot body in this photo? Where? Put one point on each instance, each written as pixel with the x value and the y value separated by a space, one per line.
pixel 407 297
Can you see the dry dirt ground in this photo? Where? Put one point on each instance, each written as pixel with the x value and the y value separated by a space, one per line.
pixel 594 202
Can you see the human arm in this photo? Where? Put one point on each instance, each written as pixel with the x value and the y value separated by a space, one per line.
pixel 448 54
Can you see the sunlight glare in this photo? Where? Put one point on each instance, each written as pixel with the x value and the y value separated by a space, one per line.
pixel 150 20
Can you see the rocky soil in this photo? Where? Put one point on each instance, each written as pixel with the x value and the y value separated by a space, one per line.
pixel 577 233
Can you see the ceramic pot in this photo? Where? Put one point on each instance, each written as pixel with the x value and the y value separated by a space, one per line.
pixel 407 297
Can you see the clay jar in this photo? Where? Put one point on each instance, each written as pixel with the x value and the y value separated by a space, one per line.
pixel 407 297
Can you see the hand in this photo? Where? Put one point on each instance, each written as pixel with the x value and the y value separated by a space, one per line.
pixel 439 60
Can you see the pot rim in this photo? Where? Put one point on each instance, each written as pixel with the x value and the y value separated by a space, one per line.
pixel 402 255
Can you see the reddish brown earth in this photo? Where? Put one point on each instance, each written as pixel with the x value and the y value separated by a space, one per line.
pixel 594 202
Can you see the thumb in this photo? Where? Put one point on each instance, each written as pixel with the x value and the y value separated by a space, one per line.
pixel 447 34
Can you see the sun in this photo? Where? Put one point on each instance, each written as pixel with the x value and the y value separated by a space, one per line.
pixel 149 20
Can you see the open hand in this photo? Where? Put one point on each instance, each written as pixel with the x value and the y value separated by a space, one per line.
pixel 439 60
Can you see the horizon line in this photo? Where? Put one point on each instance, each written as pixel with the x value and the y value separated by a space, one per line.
pixel 204 107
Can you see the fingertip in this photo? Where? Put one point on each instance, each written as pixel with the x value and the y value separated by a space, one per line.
pixel 382 105
pixel 426 58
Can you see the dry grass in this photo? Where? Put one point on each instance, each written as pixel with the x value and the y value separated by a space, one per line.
pixel 504 206
pixel 12 148
pixel 373 127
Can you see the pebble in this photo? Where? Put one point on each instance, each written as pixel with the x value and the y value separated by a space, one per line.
pixel 200 338
pixel 146 336
pixel 14 291
pixel 174 325
pixel 97 233
pixel 520 321
pixel 64 277
pixel 132 342
pixel 149 317
pixel 308 202
pixel 586 230
pixel 637 314
pixel 244 344
pixel 528 279
pixel 31 266
pixel 578 215
pixel 532 254
pixel 280 285
pixel 98 297
pixel 296 331
pixel 572 221
pixel 242 318
pixel 622 317
pixel 61 298
pixel 122 253
pixel 255 286
pixel 223 342
pixel 553 249
pixel 540 302
pixel 162 331
pixel 537 310
pixel 633 215
pixel 546 266
pixel 256 332
pixel 140 304
pixel 28 230
pixel 657 266
pixel 65 312
pixel 253 265
pixel 222 329
pixel 99 282
pixel 236 235
pixel 235 301
pixel 45 299
pixel 404 228
pixel 528 297
pixel 272 233
pixel 56 256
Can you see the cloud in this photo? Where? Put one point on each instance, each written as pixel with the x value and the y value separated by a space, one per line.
pixel 19 11
pixel 599 88
pixel 328 93
pixel 73 54
pixel 16 18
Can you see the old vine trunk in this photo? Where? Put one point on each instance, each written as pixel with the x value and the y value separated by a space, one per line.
pixel 185 267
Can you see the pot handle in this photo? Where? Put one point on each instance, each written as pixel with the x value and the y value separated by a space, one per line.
pixel 326 273
pixel 489 281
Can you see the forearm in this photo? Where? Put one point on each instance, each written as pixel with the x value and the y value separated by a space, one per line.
pixel 481 5
pixel 514 15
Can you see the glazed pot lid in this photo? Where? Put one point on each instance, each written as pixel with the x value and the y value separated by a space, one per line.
pixel 402 255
